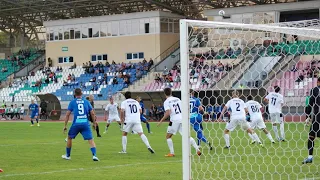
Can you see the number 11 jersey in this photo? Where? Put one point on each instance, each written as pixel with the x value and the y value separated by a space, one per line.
pixel 132 111
pixel 237 108
pixel 174 105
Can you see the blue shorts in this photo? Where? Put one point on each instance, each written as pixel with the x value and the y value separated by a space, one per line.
pixel 84 129
pixel 143 119
pixel 196 120
pixel 34 114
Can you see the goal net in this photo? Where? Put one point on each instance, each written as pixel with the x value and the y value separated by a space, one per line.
pixel 218 58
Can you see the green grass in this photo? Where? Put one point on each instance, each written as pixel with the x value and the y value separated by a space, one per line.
pixel 35 153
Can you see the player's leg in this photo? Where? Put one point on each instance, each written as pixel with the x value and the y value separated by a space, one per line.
pixel 254 135
pixel 282 134
pixel 37 119
pixel 126 128
pixel 31 119
pixel 253 125
pixel 231 125
pixel 109 121
pixel 73 132
pixel 98 130
pixel 119 122
pixel 178 127
pixel 274 120
pixel 87 136
pixel 138 128
pixel 314 132
pixel 144 120
pixel 170 132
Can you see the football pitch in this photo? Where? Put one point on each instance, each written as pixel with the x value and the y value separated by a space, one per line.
pixel 35 153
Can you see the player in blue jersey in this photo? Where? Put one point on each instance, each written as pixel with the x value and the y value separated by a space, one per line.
pixel 142 118
pixel 33 111
pixel 196 118
pixel 81 109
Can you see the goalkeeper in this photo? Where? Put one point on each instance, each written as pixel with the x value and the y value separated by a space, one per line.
pixel 307 109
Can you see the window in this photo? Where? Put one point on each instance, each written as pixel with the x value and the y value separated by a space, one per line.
pixel 51 36
pixel 77 33
pixel 135 56
pixel 90 32
pixel 60 60
pixel 84 31
pixel 48 36
pixel 66 35
pixel 56 36
pixel 105 57
pixel 71 34
pixel 99 57
pixel 93 58
pixel 146 28
pixel 68 59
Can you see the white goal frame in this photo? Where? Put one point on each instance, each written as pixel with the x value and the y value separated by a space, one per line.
pixel 313 32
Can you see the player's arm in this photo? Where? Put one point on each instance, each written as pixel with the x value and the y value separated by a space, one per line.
pixel 93 116
pixel 106 113
pixel 165 116
pixel 266 99
pixel 66 120
pixel 223 111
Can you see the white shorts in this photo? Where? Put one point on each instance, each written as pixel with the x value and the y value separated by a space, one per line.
pixel 257 123
pixel 113 118
pixel 235 122
pixel 173 128
pixel 129 127
pixel 276 118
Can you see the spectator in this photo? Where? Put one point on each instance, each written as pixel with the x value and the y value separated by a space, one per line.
pixel 10 112
pixel 43 106
pixel 126 81
pixel 115 80
pixel 138 74
pixel 165 71
pixel 177 78
pixel 160 112
pixel 153 111
pixel 82 86
pixel 22 112
pixel 50 62
pixel 94 79
pixel 294 68
pixel 300 78
pixel 94 87
pixel 74 66
pixel 157 78
pixel 150 64
pixel 4 69
pixel 47 80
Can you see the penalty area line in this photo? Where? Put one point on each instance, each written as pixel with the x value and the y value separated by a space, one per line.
pixel 87 169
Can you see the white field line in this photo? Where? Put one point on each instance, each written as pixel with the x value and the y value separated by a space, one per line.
pixel 87 169
pixel 29 144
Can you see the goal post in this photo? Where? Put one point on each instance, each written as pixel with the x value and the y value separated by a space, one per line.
pixel 217 58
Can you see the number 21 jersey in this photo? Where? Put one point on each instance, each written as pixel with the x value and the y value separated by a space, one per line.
pixel 237 108
pixel 174 105
pixel 132 111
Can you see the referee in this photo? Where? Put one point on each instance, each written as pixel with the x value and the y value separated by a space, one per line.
pixel 90 99
pixel 314 105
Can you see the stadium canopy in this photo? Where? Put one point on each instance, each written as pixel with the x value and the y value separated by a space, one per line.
pixel 27 16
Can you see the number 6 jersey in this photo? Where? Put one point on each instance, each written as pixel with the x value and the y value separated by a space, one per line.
pixel 174 105
pixel 237 108
pixel 132 111
pixel 254 110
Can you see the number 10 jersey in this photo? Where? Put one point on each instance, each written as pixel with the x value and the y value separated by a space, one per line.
pixel 132 111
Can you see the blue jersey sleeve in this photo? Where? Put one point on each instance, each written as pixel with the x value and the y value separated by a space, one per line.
pixel 30 106
pixel 198 103
pixel 37 107
pixel 70 107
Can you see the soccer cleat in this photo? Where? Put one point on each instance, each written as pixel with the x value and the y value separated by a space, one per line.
pixel 273 142
pixel 65 157
pixel 95 158
pixel 38 124
pixel 307 161
pixel 99 135
pixel 199 153
pixel 261 145
pixel 227 147
pixel 169 155
pixel 151 150
pixel 122 152
pixel 105 132
pixel 31 125
pixel 210 146
pixel 252 142
pixel 66 139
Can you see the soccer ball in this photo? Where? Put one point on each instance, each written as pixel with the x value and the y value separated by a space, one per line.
pixel 221 13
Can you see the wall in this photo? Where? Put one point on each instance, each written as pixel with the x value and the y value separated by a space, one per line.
pixel 115 47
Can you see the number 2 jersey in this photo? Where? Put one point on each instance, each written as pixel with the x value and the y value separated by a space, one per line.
pixel 254 110
pixel 81 109
pixel 275 102
pixel 237 108
pixel 132 111
pixel 174 105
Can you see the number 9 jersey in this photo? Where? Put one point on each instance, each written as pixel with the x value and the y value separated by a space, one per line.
pixel 174 105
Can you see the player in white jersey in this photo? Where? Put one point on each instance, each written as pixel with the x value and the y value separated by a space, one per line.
pixel 238 117
pixel 111 114
pixel 275 102
pixel 172 107
pixel 130 117
pixel 256 120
